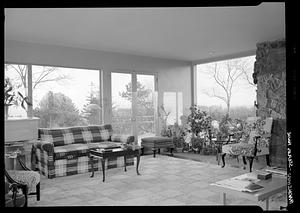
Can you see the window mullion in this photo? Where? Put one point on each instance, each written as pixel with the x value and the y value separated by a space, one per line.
pixel 29 91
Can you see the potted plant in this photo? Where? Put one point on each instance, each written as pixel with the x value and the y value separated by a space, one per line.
pixel 13 98
pixel 199 123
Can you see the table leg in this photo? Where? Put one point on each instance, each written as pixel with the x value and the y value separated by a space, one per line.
pixel 92 165
pixel 267 204
pixel 125 158
pixel 224 198
pixel 223 159
pixel 103 168
pixel 137 163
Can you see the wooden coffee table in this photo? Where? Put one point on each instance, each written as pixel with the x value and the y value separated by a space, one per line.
pixel 272 186
pixel 117 152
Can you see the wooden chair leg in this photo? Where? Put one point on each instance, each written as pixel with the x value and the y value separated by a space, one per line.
pixel 245 162
pixel 218 158
pixel 268 160
pixel 25 192
pixel 250 163
pixel 38 191
pixel 223 159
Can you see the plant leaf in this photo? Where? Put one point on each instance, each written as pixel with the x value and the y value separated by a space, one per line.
pixel 21 95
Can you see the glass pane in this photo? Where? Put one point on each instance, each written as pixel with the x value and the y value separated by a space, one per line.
pixel 64 97
pixel 173 107
pixel 145 106
pixel 17 75
pixel 170 107
pixel 179 106
pixel 233 77
pixel 225 90
pixel 121 90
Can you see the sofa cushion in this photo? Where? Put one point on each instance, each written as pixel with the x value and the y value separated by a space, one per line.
pixel 70 151
pixel 98 133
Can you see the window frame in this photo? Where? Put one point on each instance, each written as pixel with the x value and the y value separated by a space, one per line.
pixel 30 89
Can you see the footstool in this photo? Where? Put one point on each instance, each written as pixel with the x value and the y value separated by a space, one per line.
pixel 156 143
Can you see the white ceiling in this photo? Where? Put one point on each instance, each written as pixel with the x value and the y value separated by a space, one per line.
pixel 193 33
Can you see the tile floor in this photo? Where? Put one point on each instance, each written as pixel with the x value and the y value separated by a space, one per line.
pixel 164 181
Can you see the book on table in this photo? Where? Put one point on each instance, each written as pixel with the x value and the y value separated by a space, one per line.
pixel 253 187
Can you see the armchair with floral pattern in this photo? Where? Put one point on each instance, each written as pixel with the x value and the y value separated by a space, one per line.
pixel 255 141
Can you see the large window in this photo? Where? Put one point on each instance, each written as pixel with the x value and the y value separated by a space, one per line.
pixel 226 87
pixel 60 97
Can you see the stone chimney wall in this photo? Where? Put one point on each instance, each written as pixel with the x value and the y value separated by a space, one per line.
pixel 270 77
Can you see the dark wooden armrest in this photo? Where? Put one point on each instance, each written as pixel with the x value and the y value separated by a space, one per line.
pixel 23 165
pixel 11 180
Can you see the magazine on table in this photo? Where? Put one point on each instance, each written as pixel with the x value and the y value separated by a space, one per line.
pixel 245 183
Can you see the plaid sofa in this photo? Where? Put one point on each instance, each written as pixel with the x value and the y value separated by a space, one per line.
pixel 65 151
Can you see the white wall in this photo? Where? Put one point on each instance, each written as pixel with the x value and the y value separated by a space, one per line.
pixel 172 75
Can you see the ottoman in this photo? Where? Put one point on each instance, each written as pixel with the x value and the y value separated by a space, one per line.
pixel 157 142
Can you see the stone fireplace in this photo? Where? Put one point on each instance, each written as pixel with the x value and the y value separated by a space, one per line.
pixel 270 77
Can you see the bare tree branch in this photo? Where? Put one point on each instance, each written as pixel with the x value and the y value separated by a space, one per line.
pixel 227 79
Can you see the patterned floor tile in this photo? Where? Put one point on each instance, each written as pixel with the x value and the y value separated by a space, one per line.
pixel 163 181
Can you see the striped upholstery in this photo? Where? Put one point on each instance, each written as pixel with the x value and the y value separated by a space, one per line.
pixel 70 151
pixel 71 135
pixel 64 151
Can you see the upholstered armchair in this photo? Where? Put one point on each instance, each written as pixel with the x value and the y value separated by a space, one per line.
pixel 26 180
pixel 254 141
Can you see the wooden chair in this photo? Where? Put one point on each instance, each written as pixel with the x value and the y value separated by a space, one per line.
pixel 254 142
pixel 25 179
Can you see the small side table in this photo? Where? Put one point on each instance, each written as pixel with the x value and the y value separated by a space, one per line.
pixel 128 151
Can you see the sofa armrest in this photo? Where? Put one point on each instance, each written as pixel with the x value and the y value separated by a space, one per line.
pixel 45 146
pixel 128 139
